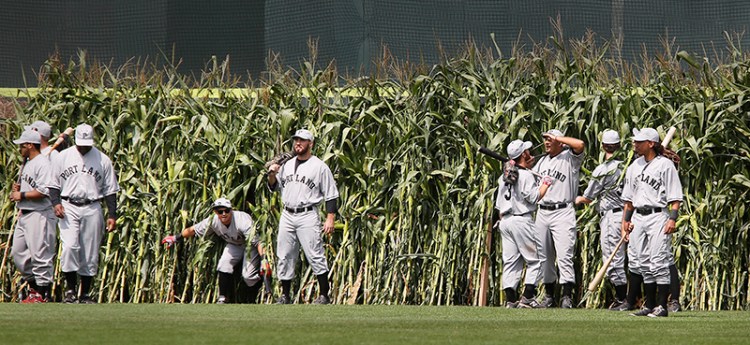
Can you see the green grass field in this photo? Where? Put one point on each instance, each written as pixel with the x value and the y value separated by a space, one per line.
pixel 308 324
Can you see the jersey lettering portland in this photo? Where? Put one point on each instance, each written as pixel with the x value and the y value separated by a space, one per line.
pixel 68 172
pixel 297 178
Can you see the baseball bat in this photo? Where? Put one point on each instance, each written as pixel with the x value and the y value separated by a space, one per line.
pixel 68 132
pixel 503 159
pixel 600 274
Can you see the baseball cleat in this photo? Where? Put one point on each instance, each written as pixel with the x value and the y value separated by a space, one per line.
pixel 548 301
pixel 674 306
pixel 530 303
pixel 659 311
pixel 619 305
pixel 283 299
pixel 34 297
pixel 70 297
pixel 567 302
pixel 86 299
pixel 322 299
pixel 511 305
pixel 221 300
pixel 643 312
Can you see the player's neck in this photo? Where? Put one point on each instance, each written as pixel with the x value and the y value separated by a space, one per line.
pixel 608 155
pixel 649 156
pixel 33 154
pixel 305 156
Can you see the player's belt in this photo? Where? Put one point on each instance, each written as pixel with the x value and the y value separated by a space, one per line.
pixel 645 211
pixel 518 214
pixel 79 202
pixel 26 211
pixel 614 210
pixel 299 210
pixel 552 207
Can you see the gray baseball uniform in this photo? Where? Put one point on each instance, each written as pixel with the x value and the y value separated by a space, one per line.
pixel 235 235
pixel 603 186
pixel 83 181
pixel 303 186
pixel 650 187
pixel 556 219
pixel 516 205
pixel 34 240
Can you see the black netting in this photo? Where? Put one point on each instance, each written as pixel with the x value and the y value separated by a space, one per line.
pixel 351 32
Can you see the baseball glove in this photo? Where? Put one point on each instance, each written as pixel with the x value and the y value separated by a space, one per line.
pixel 673 156
pixel 510 173
pixel 279 159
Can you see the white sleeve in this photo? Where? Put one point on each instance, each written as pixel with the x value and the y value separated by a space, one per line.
pixel 203 228
pixel 627 189
pixel 110 185
pixel 576 160
pixel 596 184
pixel 54 181
pixel 43 181
pixel 327 184
pixel 528 187
pixel 672 183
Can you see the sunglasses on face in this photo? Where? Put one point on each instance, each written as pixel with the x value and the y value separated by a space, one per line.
pixel 223 211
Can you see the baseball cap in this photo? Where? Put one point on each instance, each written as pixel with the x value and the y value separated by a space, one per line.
pixel 303 134
pixel 610 137
pixel 516 148
pixel 28 137
pixel 40 126
pixel 222 202
pixel 84 135
pixel 645 134
pixel 555 132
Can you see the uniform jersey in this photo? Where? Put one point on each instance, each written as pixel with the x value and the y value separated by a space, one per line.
pixel 84 177
pixel 564 169
pixel 652 184
pixel 239 229
pixel 36 175
pixel 520 198
pixel 603 185
pixel 305 184
pixel 50 153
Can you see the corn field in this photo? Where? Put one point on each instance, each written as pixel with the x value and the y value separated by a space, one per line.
pixel 416 198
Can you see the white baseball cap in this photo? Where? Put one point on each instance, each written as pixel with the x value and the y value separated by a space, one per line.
pixel 42 127
pixel 84 135
pixel 222 202
pixel 645 134
pixel 610 137
pixel 29 137
pixel 555 132
pixel 516 148
pixel 303 134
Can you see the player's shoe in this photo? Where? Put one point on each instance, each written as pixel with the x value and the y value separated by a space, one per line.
pixel 566 302
pixel 70 297
pixel 34 297
pixel 86 299
pixel 548 301
pixel 511 305
pixel 529 303
pixel 659 311
pixel 283 299
pixel 322 299
pixel 619 305
pixel 221 300
pixel 643 312
pixel 674 306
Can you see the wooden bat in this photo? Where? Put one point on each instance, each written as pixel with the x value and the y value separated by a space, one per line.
pixel 600 274
pixel 68 132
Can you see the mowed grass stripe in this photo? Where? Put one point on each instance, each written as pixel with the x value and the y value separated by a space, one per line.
pixel 307 324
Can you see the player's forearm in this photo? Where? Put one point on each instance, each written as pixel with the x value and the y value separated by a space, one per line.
pixel 674 210
pixel 33 195
pixel 627 211
pixel 331 217
pixel 187 232
pixel 111 201
pixel 332 206
pixel 577 145
pixel 54 196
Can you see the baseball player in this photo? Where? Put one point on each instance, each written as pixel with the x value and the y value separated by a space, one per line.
pixel 45 130
pixel 234 227
pixel 556 219
pixel 517 198
pixel 34 237
pixel 652 195
pixel 304 182
pixel 84 177
pixel 606 186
